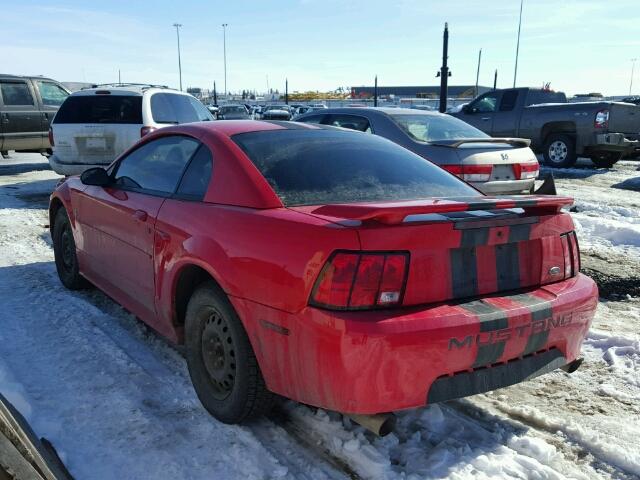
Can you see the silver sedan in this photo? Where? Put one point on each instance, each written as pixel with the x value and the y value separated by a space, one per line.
pixel 495 166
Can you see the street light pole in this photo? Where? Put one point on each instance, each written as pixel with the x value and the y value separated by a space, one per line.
pixel 515 72
pixel 478 71
pixel 178 25
pixel 224 49
pixel 633 67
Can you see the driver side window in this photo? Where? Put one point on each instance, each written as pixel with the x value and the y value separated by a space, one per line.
pixel 485 104
pixel 155 167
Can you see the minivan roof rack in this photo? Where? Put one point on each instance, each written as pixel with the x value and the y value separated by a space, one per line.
pixel 143 85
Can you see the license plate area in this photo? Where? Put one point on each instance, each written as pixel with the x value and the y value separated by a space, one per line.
pixel 502 172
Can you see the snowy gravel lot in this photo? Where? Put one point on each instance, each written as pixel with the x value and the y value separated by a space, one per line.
pixel 116 401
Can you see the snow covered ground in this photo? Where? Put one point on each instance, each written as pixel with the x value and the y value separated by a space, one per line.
pixel 116 401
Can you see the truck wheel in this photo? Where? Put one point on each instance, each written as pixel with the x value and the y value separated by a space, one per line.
pixel 222 365
pixel 559 151
pixel 606 159
pixel 64 252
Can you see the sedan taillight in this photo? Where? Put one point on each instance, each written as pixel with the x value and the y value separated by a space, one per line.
pixel 602 119
pixel 360 281
pixel 470 173
pixel 523 171
pixel 571 253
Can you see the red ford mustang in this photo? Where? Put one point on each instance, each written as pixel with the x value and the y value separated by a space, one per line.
pixel 331 267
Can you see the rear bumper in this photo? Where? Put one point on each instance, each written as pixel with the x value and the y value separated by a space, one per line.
pixel 504 187
pixel 381 361
pixel 614 142
pixel 63 168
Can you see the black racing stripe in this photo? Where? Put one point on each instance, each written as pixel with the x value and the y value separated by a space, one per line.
pixel 464 272
pixel 519 233
pixel 540 310
pixel 474 237
pixel 508 266
pixel 491 318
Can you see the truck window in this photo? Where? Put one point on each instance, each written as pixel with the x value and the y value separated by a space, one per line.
pixel 509 98
pixel 52 95
pixel 485 104
pixel 15 93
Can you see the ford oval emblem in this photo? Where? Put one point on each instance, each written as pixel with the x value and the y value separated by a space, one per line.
pixel 554 271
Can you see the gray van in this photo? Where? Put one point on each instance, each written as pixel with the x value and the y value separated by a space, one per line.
pixel 27 106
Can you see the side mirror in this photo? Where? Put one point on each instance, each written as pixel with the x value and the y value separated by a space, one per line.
pixel 466 109
pixel 96 176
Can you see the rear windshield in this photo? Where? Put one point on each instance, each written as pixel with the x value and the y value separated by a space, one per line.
pixel 173 108
pixel 233 110
pixel 432 128
pixel 535 97
pixel 326 166
pixel 100 109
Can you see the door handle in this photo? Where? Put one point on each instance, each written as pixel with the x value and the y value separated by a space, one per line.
pixel 5 118
pixel 485 118
pixel 140 215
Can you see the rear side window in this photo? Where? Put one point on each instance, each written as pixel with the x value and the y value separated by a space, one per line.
pixel 326 166
pixel 352 122
pixel 122 109
pixel 15 93
pixel 196 179
pixel 52 95
pixel 156 166
pixel 174 109
pixel 509 98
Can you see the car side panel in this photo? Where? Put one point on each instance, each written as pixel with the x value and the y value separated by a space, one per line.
pixel 271 257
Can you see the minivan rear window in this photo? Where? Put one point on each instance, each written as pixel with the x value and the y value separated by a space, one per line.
pixel 325 166
pixel 100 109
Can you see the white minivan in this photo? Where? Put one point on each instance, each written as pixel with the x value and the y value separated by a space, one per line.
pixel 94 126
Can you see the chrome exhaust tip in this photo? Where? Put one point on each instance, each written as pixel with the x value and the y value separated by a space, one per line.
pixel 573 366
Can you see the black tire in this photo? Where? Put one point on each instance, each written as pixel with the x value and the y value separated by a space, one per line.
pixel 559 151
pixel 606 159
pixel 222 365
pixel 64 251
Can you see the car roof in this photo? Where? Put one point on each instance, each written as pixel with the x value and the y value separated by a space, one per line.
pixel 229 128
pixel 128 89
pixel 378 110
pixel 8 76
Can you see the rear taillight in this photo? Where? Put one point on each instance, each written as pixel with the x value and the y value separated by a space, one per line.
pixel 571 253
pixel 51 137
pixel 359 281
pixel 602 119
pixel 146 130
pixel 523 171
pixel 470 173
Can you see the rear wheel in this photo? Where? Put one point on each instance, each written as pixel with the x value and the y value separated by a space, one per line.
pixel 64 250
pixel 606 159
pixel 559 151
pixel 222 365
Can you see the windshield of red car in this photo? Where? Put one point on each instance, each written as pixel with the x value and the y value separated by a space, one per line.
pixel 317 167
pixel 431 128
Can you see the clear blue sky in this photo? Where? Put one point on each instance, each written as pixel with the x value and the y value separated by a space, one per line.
pixel 579 46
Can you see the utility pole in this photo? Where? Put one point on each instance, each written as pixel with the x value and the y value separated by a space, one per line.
pixel 215 94
pixel 495 79
pixel 633 67
pixel 119 78
pixel 224 49
pixel 286 91
pixel 515 72
pixel 375 92
pixel 444 70
pixel 178 25
pixel 478 72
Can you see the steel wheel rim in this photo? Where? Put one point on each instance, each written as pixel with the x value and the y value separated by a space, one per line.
pixel 67 249
pixel 218 354
pixel 558 151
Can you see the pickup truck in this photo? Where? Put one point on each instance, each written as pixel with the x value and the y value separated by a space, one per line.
pixel 561 131
pixel 27 106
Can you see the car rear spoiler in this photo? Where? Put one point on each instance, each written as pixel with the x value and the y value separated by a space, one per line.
pixel 391 213
pixel 514 142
